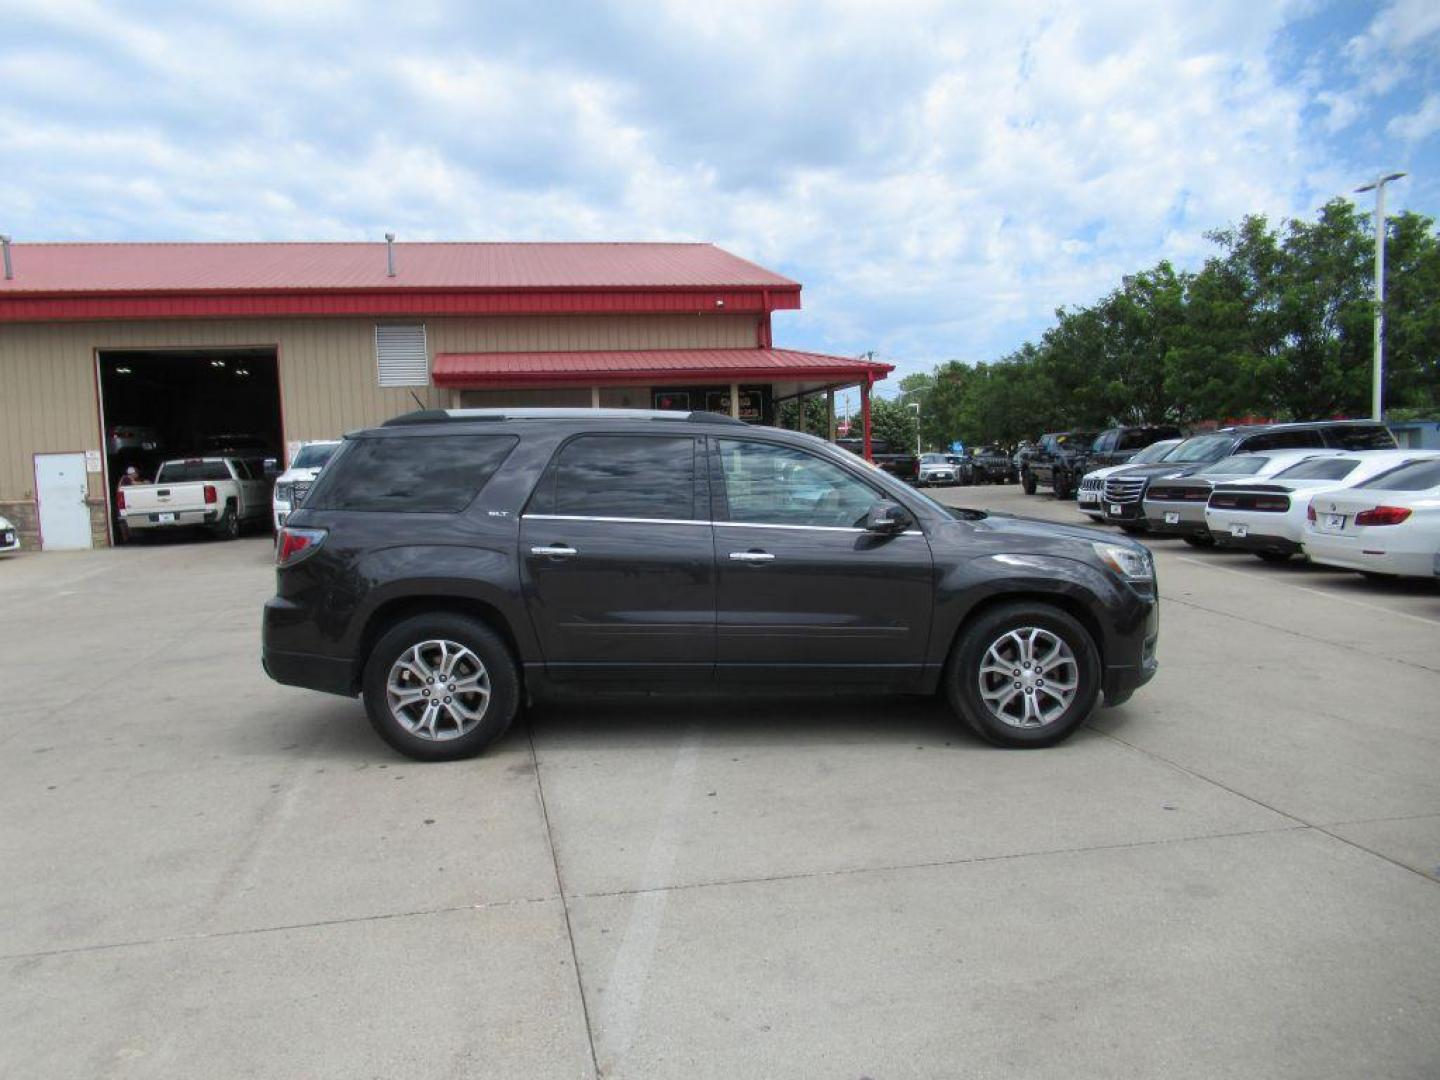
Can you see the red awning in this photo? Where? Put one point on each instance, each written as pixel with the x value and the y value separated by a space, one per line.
pixel 649 366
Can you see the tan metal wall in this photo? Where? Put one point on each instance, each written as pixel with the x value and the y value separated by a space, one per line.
pixel 328 385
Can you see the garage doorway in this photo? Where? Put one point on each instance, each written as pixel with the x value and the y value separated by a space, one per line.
pixel 160 404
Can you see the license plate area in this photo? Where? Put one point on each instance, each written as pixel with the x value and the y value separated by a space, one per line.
pixel 165 519
pixel 1116 510
pixel 1239 531
pixel 1332 523
pixel 1172 517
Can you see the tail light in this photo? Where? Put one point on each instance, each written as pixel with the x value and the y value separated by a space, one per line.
pixel 1274 503
pixel 120 499
pixel 1310 512
pixel 210 495
pixel 296 544
pixel 1383 515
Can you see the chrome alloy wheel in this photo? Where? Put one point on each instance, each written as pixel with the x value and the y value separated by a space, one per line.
pixel 1028 677
pixel 438 690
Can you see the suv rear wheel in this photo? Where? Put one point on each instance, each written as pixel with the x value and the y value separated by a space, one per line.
pixel 1062 485
pixel 1027 481
pixel 1024 675
pixel 440 687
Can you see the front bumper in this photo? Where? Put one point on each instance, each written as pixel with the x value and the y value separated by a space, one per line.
pixel 1126 513
pixel 9 540
pixel 1122 680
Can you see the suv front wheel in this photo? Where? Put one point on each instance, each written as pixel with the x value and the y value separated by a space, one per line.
pixel 1024 675
pixel 440 687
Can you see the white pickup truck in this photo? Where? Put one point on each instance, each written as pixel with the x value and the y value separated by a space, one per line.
pixel 220 494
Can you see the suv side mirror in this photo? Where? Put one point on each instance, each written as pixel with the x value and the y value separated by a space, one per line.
pixel 887 517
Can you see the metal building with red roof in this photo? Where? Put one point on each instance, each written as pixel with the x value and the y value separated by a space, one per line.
pixel 126 353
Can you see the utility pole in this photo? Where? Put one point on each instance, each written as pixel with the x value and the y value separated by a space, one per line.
pixel 1377 387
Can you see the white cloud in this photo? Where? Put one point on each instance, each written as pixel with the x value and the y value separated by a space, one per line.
pixel 940 178
pixel 1421 124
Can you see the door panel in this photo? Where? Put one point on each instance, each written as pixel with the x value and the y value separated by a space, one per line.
pixel 61 487
pixel 621 581
pixel 804 593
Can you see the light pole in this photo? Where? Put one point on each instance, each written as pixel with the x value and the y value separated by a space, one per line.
pixel 1377 388
pixel 916 406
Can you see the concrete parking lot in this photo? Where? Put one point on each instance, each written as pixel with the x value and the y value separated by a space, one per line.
pixel 1237 874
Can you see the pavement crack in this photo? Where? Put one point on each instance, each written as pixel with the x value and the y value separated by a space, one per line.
pixel 930 864
pixel 564 904
pixel 173 939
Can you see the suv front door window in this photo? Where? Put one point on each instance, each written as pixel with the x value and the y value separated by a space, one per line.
pixel 802 589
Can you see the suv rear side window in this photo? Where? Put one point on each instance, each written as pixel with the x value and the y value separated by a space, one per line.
pixel 1359 437
pixel 1300 439
pixel 620 476
pixel 428 474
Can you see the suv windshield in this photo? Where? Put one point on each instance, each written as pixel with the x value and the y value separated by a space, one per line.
pixel 1412 476
pixel 313 457
pixel 1240 465
pixel 1159 451
pixel 1202 448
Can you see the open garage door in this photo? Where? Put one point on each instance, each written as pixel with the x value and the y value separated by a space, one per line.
pixel 170 403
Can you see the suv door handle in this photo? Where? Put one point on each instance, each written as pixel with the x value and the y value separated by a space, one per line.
pixel 559 551
pixel 751 556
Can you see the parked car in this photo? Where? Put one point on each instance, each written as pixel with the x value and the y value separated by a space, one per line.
pixel 1057 462
pixel 1119 445
pixel 294 483
pixel 1177 507
pixel 136 437
pixel 992 465
pixel 448 565
pixel 9 537
pixel 1267 517
pixel 885 457
pixel 220 494
pixel 1088 494
pixel 1123 494
pixel 939 470
pixel 1387 527
pixel 964 468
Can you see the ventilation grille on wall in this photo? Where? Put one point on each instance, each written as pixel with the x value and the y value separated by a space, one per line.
pixel 400 355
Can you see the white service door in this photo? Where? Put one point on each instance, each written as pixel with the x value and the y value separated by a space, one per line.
pixel 61 486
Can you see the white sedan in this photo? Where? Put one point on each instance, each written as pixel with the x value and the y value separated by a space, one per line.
pixel 1268 518
pixel 1388 527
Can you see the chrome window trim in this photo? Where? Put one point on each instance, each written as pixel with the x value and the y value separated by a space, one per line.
pixel 715 524
pixel 614 520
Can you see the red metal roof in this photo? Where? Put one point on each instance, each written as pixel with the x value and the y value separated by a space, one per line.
pixel 647 366
pixel 189 268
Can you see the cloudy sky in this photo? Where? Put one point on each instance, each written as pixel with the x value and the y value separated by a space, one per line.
pixel 940 176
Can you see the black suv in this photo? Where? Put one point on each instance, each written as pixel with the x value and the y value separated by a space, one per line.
pixel 1123 494
pixel 1117 445
pixel 448 565
pixel 1058 462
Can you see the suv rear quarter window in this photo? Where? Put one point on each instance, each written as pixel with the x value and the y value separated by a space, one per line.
pixel 436 474
pixel 1359 437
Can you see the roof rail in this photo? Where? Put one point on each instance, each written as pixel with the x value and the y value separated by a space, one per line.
pixel 440 416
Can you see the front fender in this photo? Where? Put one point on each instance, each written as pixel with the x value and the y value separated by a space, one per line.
pixel 1115 610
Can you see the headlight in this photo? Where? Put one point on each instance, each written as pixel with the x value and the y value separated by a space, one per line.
pixel 283 492
pixel 1127 561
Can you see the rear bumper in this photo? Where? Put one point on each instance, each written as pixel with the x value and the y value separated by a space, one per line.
pixel 285 633
pixel 1191 515
pixel 183 518
pixel 1280 545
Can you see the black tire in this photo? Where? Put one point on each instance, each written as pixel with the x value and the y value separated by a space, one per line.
pixel 962 674
pixel 1273 556
pixel 1027 481
pixel 1061 485
pixel 228 527
pixel 484 643
pixel 1199 540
